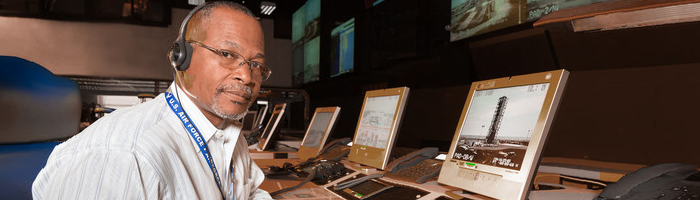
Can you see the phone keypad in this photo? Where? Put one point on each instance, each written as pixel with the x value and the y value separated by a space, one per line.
pixel 680 193
pixel 418 173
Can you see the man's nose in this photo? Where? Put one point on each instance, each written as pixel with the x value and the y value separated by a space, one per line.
pixel 242 72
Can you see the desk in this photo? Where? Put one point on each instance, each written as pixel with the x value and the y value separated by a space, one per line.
pixel 597 170
pixel 307 191
pixel 269 154
pixel 606 171
pixel 313 191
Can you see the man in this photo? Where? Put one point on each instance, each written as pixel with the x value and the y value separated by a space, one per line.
pixel 185 143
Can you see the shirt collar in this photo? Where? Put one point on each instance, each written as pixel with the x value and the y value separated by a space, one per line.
pixel 205 127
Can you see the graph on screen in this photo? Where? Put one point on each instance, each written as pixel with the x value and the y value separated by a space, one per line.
pixel 375 126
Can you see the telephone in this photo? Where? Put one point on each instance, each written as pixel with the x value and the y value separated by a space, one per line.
pixel 321 169
pixel 662 181
pixel 335 150
pixel 417 166
pixel 322 172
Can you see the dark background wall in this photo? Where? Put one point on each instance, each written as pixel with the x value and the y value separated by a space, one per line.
pixel 631 95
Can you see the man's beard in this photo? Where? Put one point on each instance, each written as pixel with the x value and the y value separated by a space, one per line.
pixel 216 107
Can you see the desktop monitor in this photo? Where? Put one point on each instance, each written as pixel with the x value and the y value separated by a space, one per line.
pixel 376 130
pixel 271 126
pixel 248 120
pixel 262 113
pixel 501 132
pixel 320 128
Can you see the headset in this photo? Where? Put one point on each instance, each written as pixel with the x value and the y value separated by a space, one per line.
pixel 180 53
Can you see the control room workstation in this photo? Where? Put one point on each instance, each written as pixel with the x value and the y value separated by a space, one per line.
pixel 374 99
pixel 495 153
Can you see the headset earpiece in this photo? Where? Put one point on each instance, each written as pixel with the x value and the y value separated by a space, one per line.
pixel 180 55
pixel 181 51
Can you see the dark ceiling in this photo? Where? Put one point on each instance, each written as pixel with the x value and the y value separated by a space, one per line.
pixel 334 10
pixel 158 12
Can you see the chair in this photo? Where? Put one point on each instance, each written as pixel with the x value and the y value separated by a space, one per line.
pixel 39 109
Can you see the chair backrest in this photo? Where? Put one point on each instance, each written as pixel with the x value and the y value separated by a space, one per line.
pixel 36 104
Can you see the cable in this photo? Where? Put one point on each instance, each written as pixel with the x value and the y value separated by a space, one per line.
pixel 307 162
pixel 308 178
pixel 297 149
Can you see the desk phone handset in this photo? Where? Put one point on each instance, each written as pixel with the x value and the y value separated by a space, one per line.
pixel 663 181
pixel 322 171
pixel 417 166
pixel 322 168
pixel 335 150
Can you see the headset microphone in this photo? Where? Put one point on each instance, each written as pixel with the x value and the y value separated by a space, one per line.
pixel 184 89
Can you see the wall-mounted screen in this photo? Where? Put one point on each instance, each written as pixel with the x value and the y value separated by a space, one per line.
pixel 298 65
pixel 312 19
pixel 298 30
pixel 312 49
pixel 298 26
pixel 473 17
pixel 306 43
pixel 343 48
pixel 539 8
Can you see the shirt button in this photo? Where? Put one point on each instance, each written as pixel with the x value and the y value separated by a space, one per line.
pixel 219 135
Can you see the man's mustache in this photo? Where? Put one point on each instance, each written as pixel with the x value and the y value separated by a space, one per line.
pixel 235 87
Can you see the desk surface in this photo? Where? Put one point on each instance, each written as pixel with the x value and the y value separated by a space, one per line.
pixel 306 191
pixel 313 191
pixel 603 171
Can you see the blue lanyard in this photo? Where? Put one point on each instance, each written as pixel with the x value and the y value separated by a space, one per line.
pixel 196 136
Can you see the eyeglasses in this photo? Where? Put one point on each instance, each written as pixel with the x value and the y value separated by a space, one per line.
pixel 229 59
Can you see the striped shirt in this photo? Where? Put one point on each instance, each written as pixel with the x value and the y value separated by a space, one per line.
pixel 144 152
